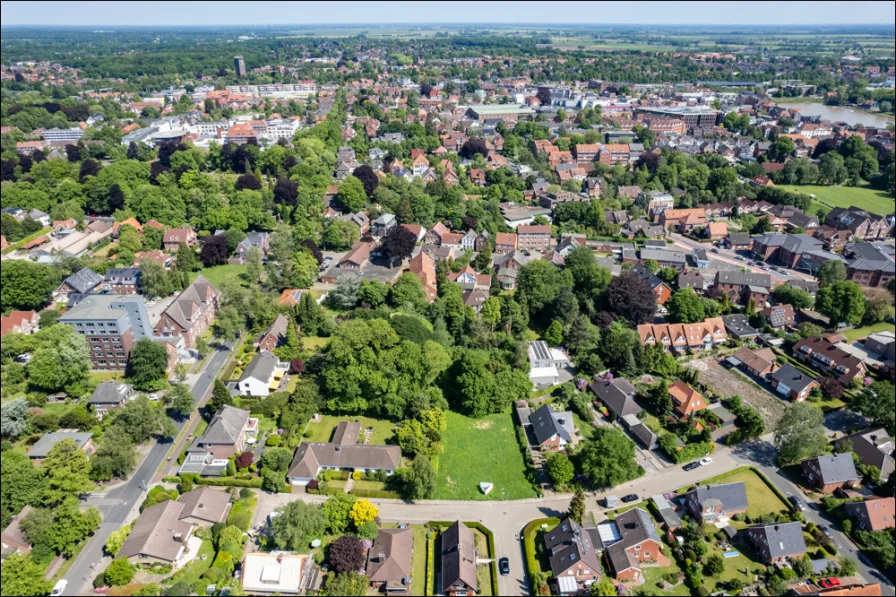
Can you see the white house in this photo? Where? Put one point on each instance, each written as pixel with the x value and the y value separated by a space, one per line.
pixel 544 364
pixel 262 376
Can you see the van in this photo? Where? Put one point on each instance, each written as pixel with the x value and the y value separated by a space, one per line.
pixel 59 588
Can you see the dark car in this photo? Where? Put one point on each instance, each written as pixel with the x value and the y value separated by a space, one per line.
pixel 826 530
pixel 504 566
pixel 632 497
pixel 796 503
pixel 691 466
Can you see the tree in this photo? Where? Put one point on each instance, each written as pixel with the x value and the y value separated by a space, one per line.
pixel 554 334
pixel 609 458
pixel 604 587
pixel 715 565
pixel 363 512
pixel 407 290
pixel 187 259
pixel 213 249
pixel 155 279
pixel 148 365
pixel 117 539
pixel 337 509
pixel 13 417
pixel 286 192
pixel 141 419
pixel 878 403
pixel 114 456
pixel 181 399
pixel 23 576
pixel 119 573
pixel 399 243
pixel 229 323
pixel 352 196
pixel 796 297
pixel 802 567
pixel 831 272
pixel 67 472
pixel 348 584
pixel 577 505
pixel 847 567
pixel 559 468
pixel 761 226
pixel 373 293
pixel 631 297
pixel 686 307
pixel 26 285
pixel 368 178
pixel 473 147
pixel 62 358
pixel 220 398
pixel 347 554
pixel 843 302
pixel 799 433
pixel 538 284
pixel 247 182
pixel 419 479
pixel 297 525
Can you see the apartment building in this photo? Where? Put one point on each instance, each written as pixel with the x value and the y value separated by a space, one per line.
pixel 112 324
pixel 533 238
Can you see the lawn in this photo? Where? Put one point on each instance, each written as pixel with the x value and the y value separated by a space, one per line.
pixel 322 430
pixel 99 376
pixel 478 450
pixel 314 343
pixel 654 575
pixel 762 500
pixel 194 569
pixel 219 273
pixel 743 567
pixel 859 333
pixel 875 201
pixel 533 543
pixel 418 570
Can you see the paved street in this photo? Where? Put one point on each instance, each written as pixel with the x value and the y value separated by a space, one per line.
pixel 119 504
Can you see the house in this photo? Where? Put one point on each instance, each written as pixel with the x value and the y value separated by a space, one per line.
pixel 716 230
pixel 685 399
pixel 342 453
pixel 505 242
pixel 777 543
pixel 470 280
pixel 389 561
pixel 84 281
pixel 677 260
pixel 158 536
pixel 660 290
pixel 424 267
pixel 435 234
pixel 418 230
pixel 262 376
pixel 618 395
pixel 743 287
pixel 290 297
pixel 358 257
pixel 190 314
pixel 759 362
pixel 205 506
pixel 163 259
pixel 227 435
pixel 638 542
pixel 684 220
pixel 700 257
pixel 779 316
pixel 792 382
pixel 19 322
pixel 12 538
pixel 738 326
pixel 573 556
pixel 874 447
pixel 552 429
pixel 383 225
pixel 276 573
pixel 716 503
pixel 458 555
pixel 634 228
pixel 826 356
pixel 679 337
pixel 122 280
pixel 109 395
pixel 39 451
pixel 258 240
pixel 875 514
pixel 691 279
pixel 543 364
pixel 830 472
pixel 175 237
pixel 111 324
pixel 739 241
pixel 275 335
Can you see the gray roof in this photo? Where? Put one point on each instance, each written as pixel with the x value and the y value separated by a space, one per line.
pixel 226 426
pixel 795 243
pixel 644 435
pixel 738 325
pixel 739 278
pixel 190 301
pixel 312 455
pixel 793 378
pixel 458 557
pixel 547 422
pixel 646 275
pixel 784 539
pixel 261 367
pixel 635 526
pixel 875 448
pixel 663 255
pixel 836 468
pixel 205 504
pixel 46 443
pixel 739 238
pixel 732 496
pixel 617 395
pixel 110 392
pixel 568 544
pixel 84 280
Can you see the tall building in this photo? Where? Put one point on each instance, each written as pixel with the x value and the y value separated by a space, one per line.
pixel 239 63
pixel 112 325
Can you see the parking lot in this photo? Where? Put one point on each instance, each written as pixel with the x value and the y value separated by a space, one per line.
pixel 727 383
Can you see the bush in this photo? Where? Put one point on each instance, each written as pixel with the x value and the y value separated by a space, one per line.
pixel 356 475
pixel 273 441
pixel 119 573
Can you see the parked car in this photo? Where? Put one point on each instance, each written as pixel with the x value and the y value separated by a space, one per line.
pixel 796 503
pixel 715 250
pixel 632 497
pixel 829 583
pixel 705 461
pixel 691 466
pixel 826 530
pixel 154 396
pixel 60 587
pixel 504 566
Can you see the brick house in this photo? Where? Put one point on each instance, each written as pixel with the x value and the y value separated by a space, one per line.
pixel 830 472
pixel 175 237
pixel 679 337
pixel 573 556
pixel 224 437
pixel 875 514
pixel 505 242
pixel 826 356
pixel 458 555
pixel 552 429
pixel 791 382
pixel 742 287
pixel 777 543
pixel 685 399
pixel 533 238
pixel 20 322
pixel 638 543
pixel 275 335
pixel 389 561
pixel 758 362
pixel 191 313
pixel 707 504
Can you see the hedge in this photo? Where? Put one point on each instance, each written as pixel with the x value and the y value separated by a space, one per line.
pixel 529 532
pixel 171 479
pixel 22 242
pixel 374 493
pixel 430 565
pixel 230 482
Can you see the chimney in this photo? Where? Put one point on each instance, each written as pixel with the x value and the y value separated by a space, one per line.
pixel 777 527
pixel 338 447
pixel 201 506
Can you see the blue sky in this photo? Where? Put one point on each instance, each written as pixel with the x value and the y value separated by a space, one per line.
pixel 544 12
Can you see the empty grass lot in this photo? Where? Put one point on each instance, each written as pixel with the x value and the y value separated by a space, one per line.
pixel 859 333
pixel 878 202
pixel 219 273
pixel 479 450
pixel 762 500
pixel 322 431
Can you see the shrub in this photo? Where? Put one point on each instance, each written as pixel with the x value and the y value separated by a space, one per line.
pixel 356 475
pixel 119 573
pixel 273 441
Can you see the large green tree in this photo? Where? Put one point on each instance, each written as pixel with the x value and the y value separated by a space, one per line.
pixel 878 403
pixel 297 525
pixel 62 358
pixel 799 433
pixel 843 302
pixel 26 285
pixel 148 365
pixel 23 576
pixel 608 458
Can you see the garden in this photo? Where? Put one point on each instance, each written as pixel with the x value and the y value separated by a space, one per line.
pixel 762 499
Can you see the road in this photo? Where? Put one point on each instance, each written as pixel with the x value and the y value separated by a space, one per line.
pixel 117 504
pixel 762 455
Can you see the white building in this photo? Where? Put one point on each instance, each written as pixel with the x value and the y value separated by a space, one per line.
pixel 279 572
pixel 262 376
pixel 545 363
pixel 70 134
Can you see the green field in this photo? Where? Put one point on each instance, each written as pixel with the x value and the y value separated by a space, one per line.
pixel 859 333
pixel 219 273
pixel 322 430
pixel 479 450
pixel 878 202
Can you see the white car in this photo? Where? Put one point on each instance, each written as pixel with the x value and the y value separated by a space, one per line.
pixel 705 461
pixel 60 587
pixel 154 397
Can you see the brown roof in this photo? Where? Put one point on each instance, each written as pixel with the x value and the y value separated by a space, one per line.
pixel 207 504
pixel 459 557
pixel 533 230
pixel 881 512
pixel 312 455
pixel 389 559
pixel 505 238
pixel 158 533
pixel 359 254
pixel 758 360
pixel 185 307
pixel 12 536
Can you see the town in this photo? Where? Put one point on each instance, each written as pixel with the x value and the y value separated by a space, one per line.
pixel 482 309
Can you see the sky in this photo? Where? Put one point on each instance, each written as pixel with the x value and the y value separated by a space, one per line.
pixel 544 12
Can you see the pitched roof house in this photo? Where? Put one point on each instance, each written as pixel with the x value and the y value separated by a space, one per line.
pixel 825 355
pixel 275 335
pixel 791 382
pixel 573 556
pixel 875 514
pixel 831 471
pixel 224 437
pixel 679 337
pixel 552 429
pixel 389 561
pixel 777 543
pixel 618 395
pixel 20 322
pixel 190 314
pixel 685 399
pixel 709 503
pixel 874 448
pixel 638 542
pixel 159 536
pixel 109 395
pixel 458 561
pixel 262 376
